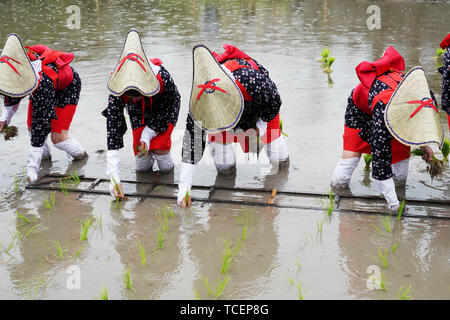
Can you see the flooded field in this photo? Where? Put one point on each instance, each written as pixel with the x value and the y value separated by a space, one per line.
pixel 235 251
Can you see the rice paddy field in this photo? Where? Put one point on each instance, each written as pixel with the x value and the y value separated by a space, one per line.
pixel 63 244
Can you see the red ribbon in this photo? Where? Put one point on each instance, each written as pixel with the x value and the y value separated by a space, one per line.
pixel 6 59
pixel 423 103
pixel 132 57
pixel 208 85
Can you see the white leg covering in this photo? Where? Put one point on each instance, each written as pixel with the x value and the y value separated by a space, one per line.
pixel 46 155
pixel 277 150
pixel 400 171
pixel 223 155
pixel 343 172
pixel 144 163
pixel 387 188
pixel 165 163
pixel 73 148
pixel 187 173
pixel 34 162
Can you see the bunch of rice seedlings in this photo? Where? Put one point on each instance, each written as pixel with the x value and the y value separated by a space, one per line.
pixel 300 291
pixel 103 294
pixel 84 229
pixel 25 219
pixel 383 283
pixel 75 178
pixel 16 184
pixel 228 255
pixel 330 205
pixel 142 253
pixel 326 60
pixel 98 220
pixel 10 132
pixel 394 247
pixel 435 167
pixel 196 294
pixel 63 187
pixel 50 204
pixel 387 223
pixel 186 198
pixel 127 280
pixel 218 288
pixel 160 238
pixel 400 209
pixel 57 250
pixel 299 265
pixel 439 58
pixel 368 161
pixel 383 257
pixel 445 149
pixel 403 292
pixel 320 226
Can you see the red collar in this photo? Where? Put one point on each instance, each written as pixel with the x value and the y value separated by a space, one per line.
pixel 231 52
pixel 446 42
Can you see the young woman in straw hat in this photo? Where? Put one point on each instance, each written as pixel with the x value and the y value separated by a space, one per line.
pixel 445 70
pixel 146 90
pixel 369 130
pixel 54 89
pixel 233 99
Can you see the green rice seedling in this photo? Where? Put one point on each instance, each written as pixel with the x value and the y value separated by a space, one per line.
pixel 142 253
pixel 9 247
pixel 368 161
pixel 205 282
pixel 327 61
pixel 160 238
pixel 401 208
pixel 291 282
pixel 63 187
pixel 383 283
pixel 50 203
pixel 103 294
pixel 244 232
pixel 228 255
pixel 186 198
pixel 394 246
pixel 377 229
pixel 78 252
pixel 84 229
pixel 27 233
pixel 387 223
pixel 127 280
pixel 98 220
pixel 403 292
pixel 163 221
pixel 57 250
pixel 445 149
pixel 300 291
pixel 16 184
pixel 23 218
pixel 75 178
pixel 435 166
pixel 196 295
pixel 281 128
pixel 330 205
pixel 220 285
pixel 438 57
pixel 10 132
pixel 320 225
pixel 382 256
pixel 299 265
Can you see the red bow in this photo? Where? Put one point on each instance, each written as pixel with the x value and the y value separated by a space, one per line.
pixel 209 85
pixel 5 59
pixel 423 103
pixel 446 42
pixel 132 57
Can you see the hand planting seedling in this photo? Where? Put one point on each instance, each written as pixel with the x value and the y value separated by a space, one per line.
pixel 435 166
pixel 368 161
pixel 10 132
pixel 142 150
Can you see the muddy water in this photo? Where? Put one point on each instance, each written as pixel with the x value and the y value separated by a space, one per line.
pixel 282 246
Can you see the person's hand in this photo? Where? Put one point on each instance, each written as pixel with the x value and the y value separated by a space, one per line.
pixel 428 156
pixel 118 195
pixel 143 146
pixel 183 202
pixel 2 125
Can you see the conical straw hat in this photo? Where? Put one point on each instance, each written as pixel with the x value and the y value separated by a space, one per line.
pixel 411 116
pixel 133 70
pixel 17 77
pixel 216 102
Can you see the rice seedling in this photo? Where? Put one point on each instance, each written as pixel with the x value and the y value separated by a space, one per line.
pixel 291 282
pixel 445 149
pixel 435 166
pixel 127 280
pixel 281 128
pixel 247 217
pixel 78 252
pixel 103 294
pixel 50 203
pixel 27 233
pixel 16 184
pixel 320 225
pixel 439 58
pixel 84 229
pixel 400 209
pixel 23 218
pixel 186 198
pixel 300 291
pixel 330 205
pixel 196 295
pixel 394 246
pixel 326 61
pixel 10 132
pixel 383 283
pixel 63 187
pixel 160 239
pixel 383 257
pixel 216 290
pixel 9 247
pixel 386 220
pixel 299 265
pixel 163 221
pixel 142 253
pixel 57 250
pixel 98 220
pixel 228 255
pixel 75 178
pixel 368 161
pixel 244 232
pixel 403 292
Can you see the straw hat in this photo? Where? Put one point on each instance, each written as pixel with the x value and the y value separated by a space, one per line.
pixel 133 70
pixel 216 102
pixel 17 77
pixel 411 115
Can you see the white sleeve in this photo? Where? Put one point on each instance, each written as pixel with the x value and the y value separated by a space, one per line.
pixel 113 167
pixel 262 126
pixel 8 113
pixel 187 173
pixel 34 162
pixel 147 135
pixel 387 188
